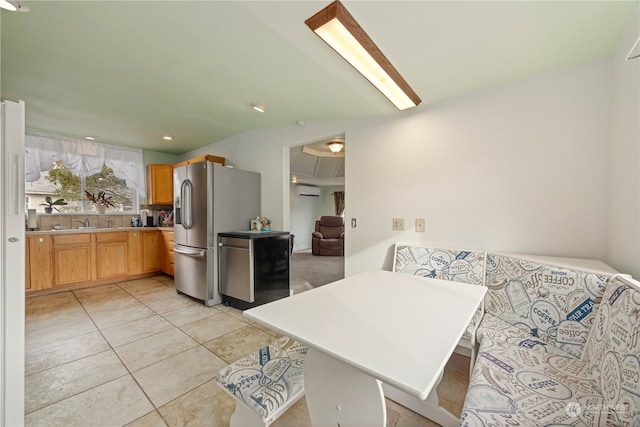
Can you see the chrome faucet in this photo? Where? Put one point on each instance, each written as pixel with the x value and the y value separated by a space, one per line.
pixel 109 223
pixel 84 223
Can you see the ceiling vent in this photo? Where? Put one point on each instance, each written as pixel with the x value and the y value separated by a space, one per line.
pixel 306 190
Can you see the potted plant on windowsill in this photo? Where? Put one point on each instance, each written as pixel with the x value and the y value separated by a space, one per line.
pixel 50 205
pixel 102 201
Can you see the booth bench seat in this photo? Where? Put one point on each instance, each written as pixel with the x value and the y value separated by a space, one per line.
pixel 527 381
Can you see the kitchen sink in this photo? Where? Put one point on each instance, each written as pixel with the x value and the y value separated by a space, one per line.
pixel 87 228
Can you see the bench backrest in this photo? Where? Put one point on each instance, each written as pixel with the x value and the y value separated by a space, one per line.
pixel 613 351
pixel 556 304
pixel 457 265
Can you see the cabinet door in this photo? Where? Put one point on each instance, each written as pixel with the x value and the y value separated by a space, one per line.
pixel 135 252
pixel 72 259
pixel 27 266
pixel 39 261
pixel 72 264
pixel 167 259
pixel 111 255
pixel 151 251
pixel 160 185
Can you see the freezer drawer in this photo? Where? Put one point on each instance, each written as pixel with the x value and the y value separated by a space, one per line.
pixel 195 273
pixel 236 269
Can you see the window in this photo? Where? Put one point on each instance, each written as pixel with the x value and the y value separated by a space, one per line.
pixel 64 168
pixel 62 184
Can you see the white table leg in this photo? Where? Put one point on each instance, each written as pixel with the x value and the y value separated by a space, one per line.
pixel 339 395
pixel 429 408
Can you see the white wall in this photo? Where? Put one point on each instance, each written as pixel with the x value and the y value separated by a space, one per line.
pixel 519 168
pixel 306 210
pixel 304 213
pixel 624 217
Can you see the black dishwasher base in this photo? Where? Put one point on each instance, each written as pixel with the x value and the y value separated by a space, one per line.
pixel 253 268
pixel 243 305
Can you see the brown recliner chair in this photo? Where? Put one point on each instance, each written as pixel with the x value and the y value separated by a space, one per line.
pixel 328 239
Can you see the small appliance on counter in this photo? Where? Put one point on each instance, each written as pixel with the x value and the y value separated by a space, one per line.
pixel 253 267
pixel 147 217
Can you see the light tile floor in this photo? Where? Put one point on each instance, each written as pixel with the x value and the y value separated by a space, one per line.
pixel 136 353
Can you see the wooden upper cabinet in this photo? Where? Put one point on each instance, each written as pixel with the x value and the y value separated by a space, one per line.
pixel 160 184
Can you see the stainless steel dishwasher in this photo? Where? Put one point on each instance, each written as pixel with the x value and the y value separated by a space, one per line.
pixel 253 267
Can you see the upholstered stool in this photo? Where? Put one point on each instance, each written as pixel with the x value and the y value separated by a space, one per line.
pixel 265 383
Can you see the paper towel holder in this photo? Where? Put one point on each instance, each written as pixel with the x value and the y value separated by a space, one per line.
pixel 32 220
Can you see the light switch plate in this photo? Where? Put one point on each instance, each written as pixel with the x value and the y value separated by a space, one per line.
pixel 398 224
pixel 420 225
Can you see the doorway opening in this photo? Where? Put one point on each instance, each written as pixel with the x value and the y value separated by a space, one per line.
pixel 317 190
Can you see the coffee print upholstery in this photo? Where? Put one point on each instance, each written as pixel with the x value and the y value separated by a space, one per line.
pixel 268 378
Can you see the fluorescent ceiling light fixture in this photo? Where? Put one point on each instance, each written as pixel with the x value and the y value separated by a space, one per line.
pixel 90 138
pixel 167 137
pixel 4 4
pixel 335 25
pixel 259 107
pixel 335 146
pixel 13 5
pixel 634 53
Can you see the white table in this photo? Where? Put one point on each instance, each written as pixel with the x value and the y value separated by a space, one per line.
pixel 373 327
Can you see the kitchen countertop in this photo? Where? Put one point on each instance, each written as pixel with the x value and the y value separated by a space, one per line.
pixel 92 230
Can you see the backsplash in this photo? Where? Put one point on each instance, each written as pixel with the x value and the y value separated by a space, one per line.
pixel 47 221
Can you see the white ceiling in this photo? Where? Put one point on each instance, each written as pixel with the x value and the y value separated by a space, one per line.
pixel 314 163
pixel 129 72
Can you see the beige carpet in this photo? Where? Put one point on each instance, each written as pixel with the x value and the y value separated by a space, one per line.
pixel 310 271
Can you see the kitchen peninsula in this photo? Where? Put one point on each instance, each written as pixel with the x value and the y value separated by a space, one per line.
pixel 60 260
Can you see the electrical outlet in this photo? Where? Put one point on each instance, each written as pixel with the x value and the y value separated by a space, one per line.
pixel 398 224
pixel 420 225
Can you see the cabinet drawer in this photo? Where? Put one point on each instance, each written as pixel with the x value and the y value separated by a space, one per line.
pixel 170 246
pixel 116 236
pixel 170 256
pixel 72 239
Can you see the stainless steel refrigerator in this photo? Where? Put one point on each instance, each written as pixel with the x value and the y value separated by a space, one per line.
pixel 208 199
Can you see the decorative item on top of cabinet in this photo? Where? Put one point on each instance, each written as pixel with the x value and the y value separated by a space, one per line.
pixel 160 184
pixel 209 157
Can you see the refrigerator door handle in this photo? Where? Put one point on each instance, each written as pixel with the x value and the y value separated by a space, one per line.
pixel 189 252
pixel 186 191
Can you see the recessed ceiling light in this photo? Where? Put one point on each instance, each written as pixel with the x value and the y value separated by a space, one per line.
pixel 167 137
pixel 90 138
pixel 259 107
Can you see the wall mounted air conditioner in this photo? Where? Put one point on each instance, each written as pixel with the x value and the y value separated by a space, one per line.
pixel 305 190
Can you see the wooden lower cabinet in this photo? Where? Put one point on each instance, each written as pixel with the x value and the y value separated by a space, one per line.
pixel 167 260
pixel 38 263
pixel 135 252
pixel 151 250
pixel 72 259
pixel 112 255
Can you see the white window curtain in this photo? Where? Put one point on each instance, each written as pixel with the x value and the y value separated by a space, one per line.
pixel 82 157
